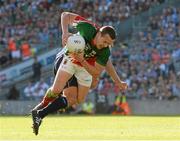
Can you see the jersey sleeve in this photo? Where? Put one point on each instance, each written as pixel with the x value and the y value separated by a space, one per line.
pixel 87 30
pixel 79 18
pixel 82 19
pixel 103 57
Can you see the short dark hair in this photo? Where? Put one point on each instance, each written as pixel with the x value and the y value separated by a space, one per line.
pixel 108 30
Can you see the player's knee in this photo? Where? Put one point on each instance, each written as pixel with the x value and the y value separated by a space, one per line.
pixel 80 100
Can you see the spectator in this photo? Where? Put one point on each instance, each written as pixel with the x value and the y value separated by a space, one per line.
pixel 121 106
pixel 176 89
pixel 29 91
pixel 13 93
pixel 40 89
pixel 14 52
pixel 156 56
pixel 36 67
pixel 26 50
pixel 3 58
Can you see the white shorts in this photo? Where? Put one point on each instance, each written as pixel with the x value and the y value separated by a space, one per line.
pixel 83 77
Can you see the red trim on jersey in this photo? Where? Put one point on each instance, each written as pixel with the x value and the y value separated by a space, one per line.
pixel 81 19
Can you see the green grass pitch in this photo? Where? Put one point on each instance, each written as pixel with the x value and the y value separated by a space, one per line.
pixel 91 128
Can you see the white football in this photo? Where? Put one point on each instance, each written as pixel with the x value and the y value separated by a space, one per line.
pixel 75 43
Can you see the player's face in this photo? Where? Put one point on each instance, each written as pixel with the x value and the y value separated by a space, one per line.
pixel 104 41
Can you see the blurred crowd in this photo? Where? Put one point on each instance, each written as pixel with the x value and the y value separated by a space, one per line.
pixel 108 11
pixel 150 62
pixel 29 26
pixel 26 27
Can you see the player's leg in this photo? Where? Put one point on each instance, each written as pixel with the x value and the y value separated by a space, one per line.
pixel 50 95
pixel 46 100
pixel 71 93
pixel 64 73
pixel 59 103
pixel 57 63
pixel 84 83
pixel 66 66
pixel 82 93
pixel 71 90
pixel 69 97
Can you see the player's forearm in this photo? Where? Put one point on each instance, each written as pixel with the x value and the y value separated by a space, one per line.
pixel 91 69
pixel 67 19
pixel 112 72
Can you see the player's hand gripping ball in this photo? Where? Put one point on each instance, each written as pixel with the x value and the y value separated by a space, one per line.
pixel 75 44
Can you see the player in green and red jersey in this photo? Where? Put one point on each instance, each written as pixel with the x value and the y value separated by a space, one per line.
pixel 93 61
